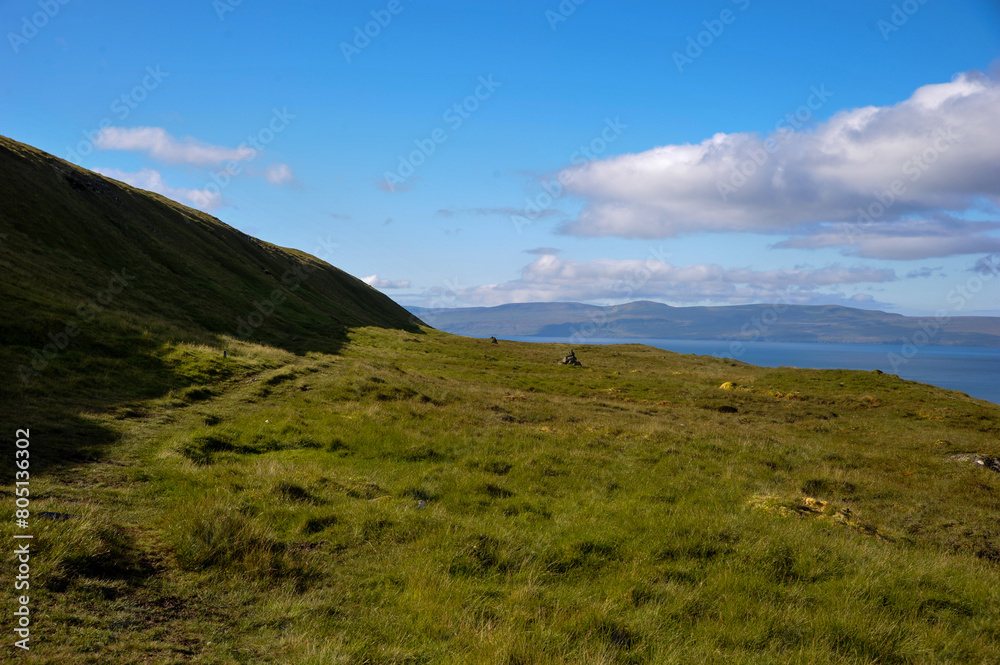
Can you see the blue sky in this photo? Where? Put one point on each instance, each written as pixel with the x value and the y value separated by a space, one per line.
pixel 482 153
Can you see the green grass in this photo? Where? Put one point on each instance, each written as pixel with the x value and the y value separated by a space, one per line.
pixel 610 513
pixel 368 491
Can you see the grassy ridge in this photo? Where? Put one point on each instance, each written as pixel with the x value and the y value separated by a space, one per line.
pixel 347 487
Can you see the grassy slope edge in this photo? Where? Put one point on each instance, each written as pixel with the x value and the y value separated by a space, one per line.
pixel 406 496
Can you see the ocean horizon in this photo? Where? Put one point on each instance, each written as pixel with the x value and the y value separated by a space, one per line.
pixel 969 369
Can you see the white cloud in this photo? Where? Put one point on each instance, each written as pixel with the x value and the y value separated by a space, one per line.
pixel 942 145
pixel 152 180
pixel 279 174
pixel 161 146
pixel 905 239
pixel 550 279
pixel 374 280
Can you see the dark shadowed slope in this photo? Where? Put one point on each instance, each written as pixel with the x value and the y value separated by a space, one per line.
pixel 68 230
pixel 99 278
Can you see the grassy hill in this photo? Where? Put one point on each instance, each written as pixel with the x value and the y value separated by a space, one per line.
pixel 102 281
pixel 767 323
pixel 346 487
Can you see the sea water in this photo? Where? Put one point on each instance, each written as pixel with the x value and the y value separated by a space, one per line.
pixel 968 369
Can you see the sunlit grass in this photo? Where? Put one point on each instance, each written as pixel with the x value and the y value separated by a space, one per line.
pixel 439 499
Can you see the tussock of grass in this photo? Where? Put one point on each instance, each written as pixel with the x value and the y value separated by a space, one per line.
pixel 570 530
pixel 89 545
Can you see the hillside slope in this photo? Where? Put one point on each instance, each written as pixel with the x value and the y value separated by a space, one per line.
pixel 650 320
pixel 98 277
pixel 68 230
pixel 347 487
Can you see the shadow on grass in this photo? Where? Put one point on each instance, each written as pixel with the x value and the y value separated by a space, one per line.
pixel 98 276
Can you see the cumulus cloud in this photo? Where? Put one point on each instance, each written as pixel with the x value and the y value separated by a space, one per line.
pixel 149 179
pixel 378 283
pixel 903 239
pixel 279 174
pixel 543 251
pixel 940 147
pixel 161 146
pixel 549 279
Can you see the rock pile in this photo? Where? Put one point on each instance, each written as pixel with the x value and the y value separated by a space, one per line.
pixel 570 359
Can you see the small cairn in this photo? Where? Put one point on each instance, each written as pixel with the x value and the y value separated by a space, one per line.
pixel 570 359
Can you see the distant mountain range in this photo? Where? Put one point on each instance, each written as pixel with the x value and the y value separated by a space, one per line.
pixel 769 323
